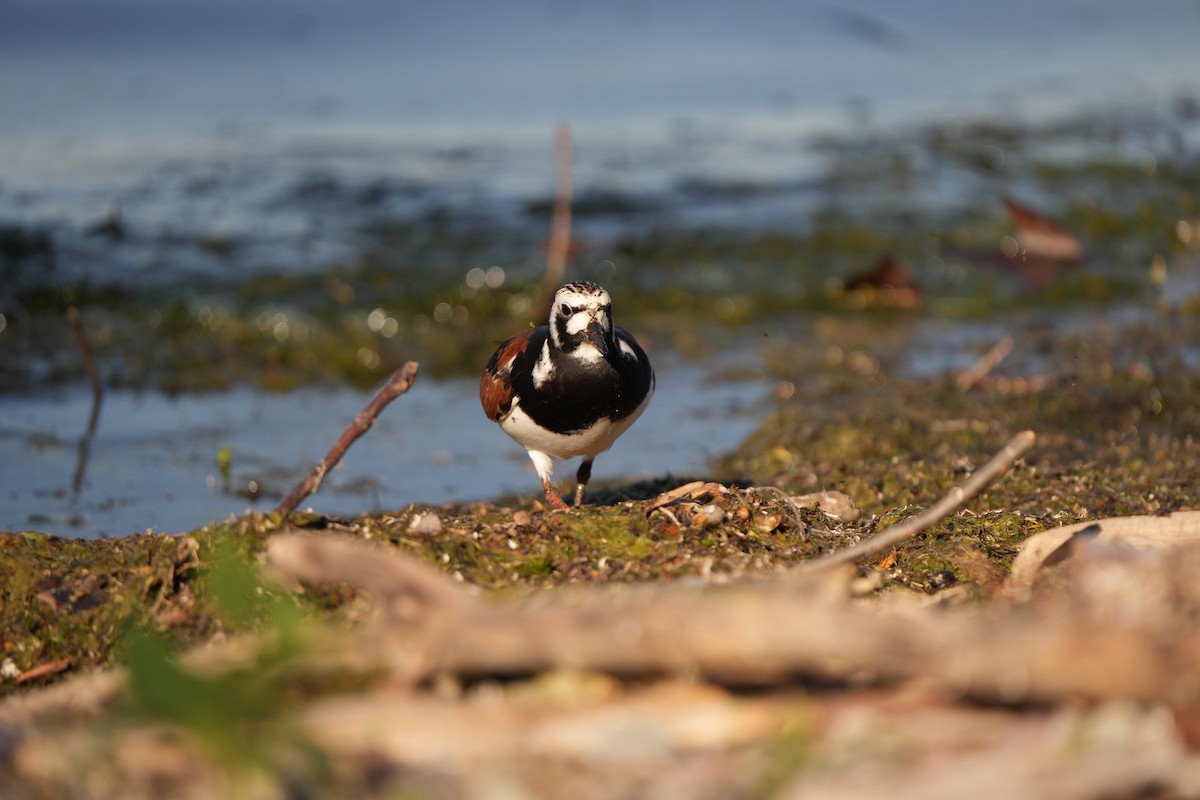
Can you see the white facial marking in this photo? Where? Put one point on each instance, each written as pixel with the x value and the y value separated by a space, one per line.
pixel 578 322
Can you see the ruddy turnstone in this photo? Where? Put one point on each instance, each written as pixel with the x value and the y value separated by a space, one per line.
pixel 568 388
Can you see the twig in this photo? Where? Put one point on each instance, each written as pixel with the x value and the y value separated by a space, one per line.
pixel 400 382
pixel 89 365
pixel 559 244
pixel 44 670
pixel 89 362
pixel 85 444
pixel 986 363
pixel 999 464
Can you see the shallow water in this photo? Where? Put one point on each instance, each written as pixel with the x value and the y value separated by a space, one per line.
pixel 282 129
pixel 153 460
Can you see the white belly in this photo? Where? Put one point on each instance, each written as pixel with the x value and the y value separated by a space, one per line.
pixel 587 443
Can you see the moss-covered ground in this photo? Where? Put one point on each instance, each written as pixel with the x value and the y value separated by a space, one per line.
pixel 1116 413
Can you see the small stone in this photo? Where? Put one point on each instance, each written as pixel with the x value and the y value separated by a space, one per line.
pixel 708 516
pixel 834 504
pixel 425 523
pixel 942 578
pixel 766 522
pixel 522 517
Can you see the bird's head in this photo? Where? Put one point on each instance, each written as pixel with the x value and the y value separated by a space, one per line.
pixel 581 321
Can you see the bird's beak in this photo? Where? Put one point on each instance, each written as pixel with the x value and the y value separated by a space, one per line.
pixel 595 332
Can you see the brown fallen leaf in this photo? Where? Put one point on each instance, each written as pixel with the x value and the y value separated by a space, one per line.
pixel 1038 236
pixel 1059 544
pixel 889 284
pixel 887 561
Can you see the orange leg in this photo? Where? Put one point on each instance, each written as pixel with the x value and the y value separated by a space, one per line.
pixel 552 496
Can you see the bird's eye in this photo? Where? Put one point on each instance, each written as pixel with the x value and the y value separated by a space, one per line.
pixel 565 310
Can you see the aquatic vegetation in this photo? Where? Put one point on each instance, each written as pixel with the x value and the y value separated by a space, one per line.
pixel 441 285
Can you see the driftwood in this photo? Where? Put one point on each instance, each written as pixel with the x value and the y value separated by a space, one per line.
pixel 1088 696
pixel 400 382
pixel 754 634
pixel 915 748
pixel 578 717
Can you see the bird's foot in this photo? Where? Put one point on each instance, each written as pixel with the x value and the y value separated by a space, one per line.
pixel 553 497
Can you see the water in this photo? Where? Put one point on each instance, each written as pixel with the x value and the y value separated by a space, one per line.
pixel 80 71
pixel 223 120
pixel 153 460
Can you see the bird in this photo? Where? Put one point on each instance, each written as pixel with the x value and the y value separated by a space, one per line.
pixel 570 387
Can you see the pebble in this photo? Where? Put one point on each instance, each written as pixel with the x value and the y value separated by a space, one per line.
pixel 425 523
pixel 708 516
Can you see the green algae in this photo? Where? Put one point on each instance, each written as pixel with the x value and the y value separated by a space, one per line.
pixel 70 599
pixel 1110 180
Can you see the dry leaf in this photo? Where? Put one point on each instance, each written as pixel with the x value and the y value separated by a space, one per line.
pixel 887 561
pixel 1059 544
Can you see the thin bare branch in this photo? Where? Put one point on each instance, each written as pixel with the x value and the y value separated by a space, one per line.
pixel 986 363
pixel 559 245
pixel 85 349
pixel 89 365
pixel 956 499
pixel 400 382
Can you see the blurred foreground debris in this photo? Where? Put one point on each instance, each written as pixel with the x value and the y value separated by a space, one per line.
pixel 1078 681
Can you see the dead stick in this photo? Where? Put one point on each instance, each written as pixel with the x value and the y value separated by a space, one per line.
pixel 733 634
pixel 400 382
pixel 559 244
pixel 999 464
pixel 986 363
pixel 89 365
pixel 89 362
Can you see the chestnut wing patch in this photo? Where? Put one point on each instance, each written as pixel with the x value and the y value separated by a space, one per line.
pixel 496 384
